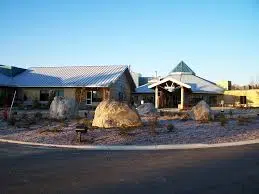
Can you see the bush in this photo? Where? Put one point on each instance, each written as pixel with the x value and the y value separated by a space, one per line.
pixel 55 129
pixel 52 94
pixel 11 120
pixel 223 120
pixel 154 124
pixel 38 115
pixel 20 106
pixel 35 103
pixel 185 117
pixel 230 113
pixel 86 123
pixel 170 128
pixel 124 130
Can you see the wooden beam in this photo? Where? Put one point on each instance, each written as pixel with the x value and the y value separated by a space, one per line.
pixel 156 98
pixel 182 98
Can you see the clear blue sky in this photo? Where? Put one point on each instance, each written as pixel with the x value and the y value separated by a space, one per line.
pixel 218 41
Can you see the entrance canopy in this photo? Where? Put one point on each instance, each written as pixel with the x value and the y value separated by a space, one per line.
pixel 170 84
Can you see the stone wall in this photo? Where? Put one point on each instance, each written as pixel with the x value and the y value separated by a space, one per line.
pixel 123 87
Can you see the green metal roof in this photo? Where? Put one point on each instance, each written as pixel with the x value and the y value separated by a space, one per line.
pixel 182 68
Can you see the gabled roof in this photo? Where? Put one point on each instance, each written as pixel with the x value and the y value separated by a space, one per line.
pixel 185 76
pixel 69 76
pixel 182 68
pixel 197 84
pixel 169 78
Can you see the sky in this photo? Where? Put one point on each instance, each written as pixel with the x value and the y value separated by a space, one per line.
pixel 219 40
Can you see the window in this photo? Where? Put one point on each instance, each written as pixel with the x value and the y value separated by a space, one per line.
pixel 96 96
pixel 242 99
pixel 44 95
pixel 59 92
pixel 89 97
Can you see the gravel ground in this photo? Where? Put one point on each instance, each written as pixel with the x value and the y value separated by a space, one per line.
pixel 185 132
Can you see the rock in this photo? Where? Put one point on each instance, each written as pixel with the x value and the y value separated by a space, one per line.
pixel 147 109
pixel 201 112
pixel 62 108
pixel 109 114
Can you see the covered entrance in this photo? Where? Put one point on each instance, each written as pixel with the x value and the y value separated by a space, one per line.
pixel 171 93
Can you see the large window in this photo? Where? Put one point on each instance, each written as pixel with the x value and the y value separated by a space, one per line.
pixel 96 96
pixel 44 95
pixel 93 96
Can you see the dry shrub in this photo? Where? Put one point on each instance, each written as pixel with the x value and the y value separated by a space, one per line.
pixel 223 120
pixel 243 120
pixel 170 128
pixel 125 130
pixel 185 117
pixel 86 123
pixel 153 125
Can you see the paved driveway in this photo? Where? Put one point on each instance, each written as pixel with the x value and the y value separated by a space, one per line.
pixel 27 169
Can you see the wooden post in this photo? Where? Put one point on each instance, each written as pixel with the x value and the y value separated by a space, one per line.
pixel 182 98
pixel 156 97
pixel 79 136
pixel 12 104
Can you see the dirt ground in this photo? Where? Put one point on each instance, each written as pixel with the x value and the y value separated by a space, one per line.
pixel 183 132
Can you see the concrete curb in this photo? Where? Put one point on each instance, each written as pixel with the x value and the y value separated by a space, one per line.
pixel 135 147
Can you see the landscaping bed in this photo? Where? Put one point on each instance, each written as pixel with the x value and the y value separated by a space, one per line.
pixel 152 133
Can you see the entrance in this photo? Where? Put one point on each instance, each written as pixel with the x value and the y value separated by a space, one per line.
pixel 173 99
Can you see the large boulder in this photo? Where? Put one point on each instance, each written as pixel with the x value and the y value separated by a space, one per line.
pixel 147 109
pixel 109 114
pixel 201 112
pixel 62 108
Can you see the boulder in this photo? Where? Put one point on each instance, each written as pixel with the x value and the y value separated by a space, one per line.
pixel 146 109
pixel 63 108
pixel 110 114
pixel 201 112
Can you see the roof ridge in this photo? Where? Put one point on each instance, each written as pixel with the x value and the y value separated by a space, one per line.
pixel 78 66
pixel 206 80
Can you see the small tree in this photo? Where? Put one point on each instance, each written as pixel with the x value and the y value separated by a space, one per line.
pixel 52 94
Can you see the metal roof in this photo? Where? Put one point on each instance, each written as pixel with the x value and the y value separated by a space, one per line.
pixel 69 76
pixel 198 84
pixel 182 68
pixel 5 80
pixel 183 75
pixel 144 89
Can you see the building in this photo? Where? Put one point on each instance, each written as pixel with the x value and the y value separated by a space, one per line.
pixel 88 85
pixel 182 88
pixel 143 94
